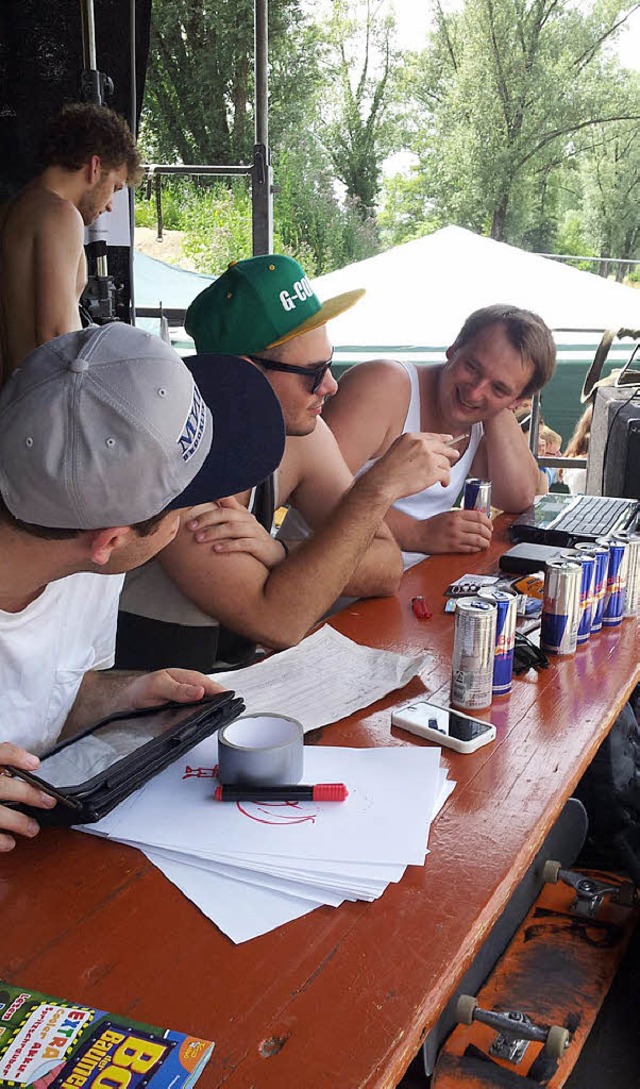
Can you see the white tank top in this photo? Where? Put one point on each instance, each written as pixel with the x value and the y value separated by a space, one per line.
pixel 436 499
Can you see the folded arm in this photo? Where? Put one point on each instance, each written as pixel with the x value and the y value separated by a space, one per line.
pixel 278 607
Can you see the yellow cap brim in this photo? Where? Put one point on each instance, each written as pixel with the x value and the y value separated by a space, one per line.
pixel 330 309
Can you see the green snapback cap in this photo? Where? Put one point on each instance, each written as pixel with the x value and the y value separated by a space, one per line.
pixel 257 304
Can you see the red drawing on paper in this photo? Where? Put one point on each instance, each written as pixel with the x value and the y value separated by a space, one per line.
pixel 277 813
pixel 200 773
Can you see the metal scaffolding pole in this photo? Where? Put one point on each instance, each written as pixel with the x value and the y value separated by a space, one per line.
pixel 262 174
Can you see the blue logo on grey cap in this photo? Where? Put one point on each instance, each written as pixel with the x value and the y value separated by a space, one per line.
pixel 194 425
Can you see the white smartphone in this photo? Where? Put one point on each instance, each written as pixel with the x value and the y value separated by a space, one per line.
pixel 444 725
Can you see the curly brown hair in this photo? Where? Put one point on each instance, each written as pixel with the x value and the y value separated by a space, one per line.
pixel 84 129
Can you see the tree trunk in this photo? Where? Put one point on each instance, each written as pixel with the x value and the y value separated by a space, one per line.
pixel 499 219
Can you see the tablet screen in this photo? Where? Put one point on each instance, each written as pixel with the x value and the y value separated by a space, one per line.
pixel 94 753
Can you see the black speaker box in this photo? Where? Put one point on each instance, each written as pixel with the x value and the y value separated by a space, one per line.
pixel 614 445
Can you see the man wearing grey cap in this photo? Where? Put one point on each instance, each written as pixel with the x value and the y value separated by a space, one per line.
pixel 103 435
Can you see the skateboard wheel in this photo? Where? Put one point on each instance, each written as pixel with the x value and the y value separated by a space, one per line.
pixel 465 1009
pixel 557 1042
pixel 550 872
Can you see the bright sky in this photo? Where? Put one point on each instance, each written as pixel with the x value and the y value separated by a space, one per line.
pixel 412 17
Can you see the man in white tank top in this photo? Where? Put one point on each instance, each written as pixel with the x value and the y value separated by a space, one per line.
pixel 501 355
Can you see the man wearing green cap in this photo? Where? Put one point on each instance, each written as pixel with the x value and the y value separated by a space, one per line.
pixel 265 310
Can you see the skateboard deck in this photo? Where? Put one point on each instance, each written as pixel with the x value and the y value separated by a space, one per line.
pixel 556 970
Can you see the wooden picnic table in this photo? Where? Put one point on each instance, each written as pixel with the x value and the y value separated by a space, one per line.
pixel 342 997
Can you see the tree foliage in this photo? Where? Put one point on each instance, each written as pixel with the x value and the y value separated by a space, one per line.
pixel 504 89
pixel 610 186
pixel 522 123
pixel 358 132
pixel 199 95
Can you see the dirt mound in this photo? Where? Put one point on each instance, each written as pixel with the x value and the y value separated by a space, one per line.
pixel 168 250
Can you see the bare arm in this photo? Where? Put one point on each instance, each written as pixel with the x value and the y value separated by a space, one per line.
pixel 278 607
pixel 504 458
pixel 58 257
pixel 104 693
pixel 324 480
pixel 366 415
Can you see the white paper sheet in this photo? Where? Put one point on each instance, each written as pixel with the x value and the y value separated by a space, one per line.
pixel 325 678
pixel 241 912
pixel 392 794
pixel 250 877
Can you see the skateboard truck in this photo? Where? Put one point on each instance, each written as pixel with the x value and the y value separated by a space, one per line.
pixel 589 891
pixel 515 1030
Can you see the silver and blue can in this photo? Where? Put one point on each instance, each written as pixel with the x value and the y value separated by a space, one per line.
pixel 477 496
pixel 474 643
pixel 600 554
pixel 588 564
pixel 506 616
pixel 632 596
pixel 560 607
pixel 616 581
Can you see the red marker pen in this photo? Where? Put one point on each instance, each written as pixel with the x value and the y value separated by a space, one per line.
pixel 246 792
pixel 420 608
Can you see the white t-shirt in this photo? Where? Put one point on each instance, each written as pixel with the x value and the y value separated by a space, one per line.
pixel 45 651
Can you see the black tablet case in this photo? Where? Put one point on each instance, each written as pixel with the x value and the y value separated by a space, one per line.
pixel 96 797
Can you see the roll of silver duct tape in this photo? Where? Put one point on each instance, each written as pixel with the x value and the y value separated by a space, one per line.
pixel 261 749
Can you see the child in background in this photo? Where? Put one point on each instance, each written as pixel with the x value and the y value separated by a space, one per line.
pixel 551 442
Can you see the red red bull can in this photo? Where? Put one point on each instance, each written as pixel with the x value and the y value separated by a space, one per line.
pixel 588 564
pixel 600 554
pixel 506 616
pixel 632 596
pixel 477 496
pixel 616 582
pixel 473 653
pixel 560 607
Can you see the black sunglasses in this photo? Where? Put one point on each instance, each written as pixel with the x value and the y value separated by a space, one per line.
pixel 316 374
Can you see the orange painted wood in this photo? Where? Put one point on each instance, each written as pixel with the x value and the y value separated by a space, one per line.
pixel 342 997
pixel 557 969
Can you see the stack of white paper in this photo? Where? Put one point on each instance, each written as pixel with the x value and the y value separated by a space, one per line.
pixel 251 867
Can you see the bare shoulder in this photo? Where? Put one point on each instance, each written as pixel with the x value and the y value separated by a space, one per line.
pixel 56 214
pixel 40 212
pixel 369 409
pixel 380 386
pixel 376 378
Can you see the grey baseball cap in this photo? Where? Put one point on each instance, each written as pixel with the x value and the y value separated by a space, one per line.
pixel 106 426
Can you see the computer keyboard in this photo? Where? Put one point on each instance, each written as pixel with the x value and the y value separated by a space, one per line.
pixel 596 515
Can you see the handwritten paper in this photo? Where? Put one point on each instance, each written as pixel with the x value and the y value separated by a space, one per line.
pixel 325 678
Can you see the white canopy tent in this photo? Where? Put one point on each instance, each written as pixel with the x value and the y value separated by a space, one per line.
pixel 419 294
